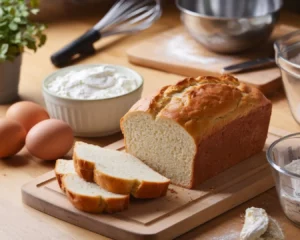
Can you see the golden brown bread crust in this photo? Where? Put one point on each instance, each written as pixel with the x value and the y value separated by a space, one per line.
pixel 150 190
pixel 59 180
pixel 87 175
pixel 198 103
pixel 228 120
pixel 113 184
pixel 237 141
pixel 58 176
pixel 86 204
pixel 118 185
pixel 137 189
pixel 97 204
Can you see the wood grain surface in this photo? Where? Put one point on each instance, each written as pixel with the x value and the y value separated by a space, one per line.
pixel 177 52
pixel 22 168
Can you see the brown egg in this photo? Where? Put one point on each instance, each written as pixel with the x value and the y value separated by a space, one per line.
pixel 27 113
pixel 49 139
pixel 12 137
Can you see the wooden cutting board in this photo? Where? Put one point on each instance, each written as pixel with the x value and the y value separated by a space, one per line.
pixel 18 223
pixel 175 51
pixel 167 217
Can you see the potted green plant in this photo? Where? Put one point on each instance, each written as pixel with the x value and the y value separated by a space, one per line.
pixel 17 33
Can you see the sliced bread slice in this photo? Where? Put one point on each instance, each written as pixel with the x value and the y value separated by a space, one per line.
pixel 63 167
pixel 86 196
pixel 118 172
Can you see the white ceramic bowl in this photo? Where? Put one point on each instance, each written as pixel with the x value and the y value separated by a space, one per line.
pixel 91 118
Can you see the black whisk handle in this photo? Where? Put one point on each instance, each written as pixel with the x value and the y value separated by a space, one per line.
pixel 82 46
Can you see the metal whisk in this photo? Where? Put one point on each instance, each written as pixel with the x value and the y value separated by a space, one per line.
pixel 125 17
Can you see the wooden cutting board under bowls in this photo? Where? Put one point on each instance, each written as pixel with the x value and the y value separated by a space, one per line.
pixel 163 218
pixel 175 51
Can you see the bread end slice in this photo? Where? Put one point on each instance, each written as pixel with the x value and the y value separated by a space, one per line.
pixel 92 201
pixel 87 196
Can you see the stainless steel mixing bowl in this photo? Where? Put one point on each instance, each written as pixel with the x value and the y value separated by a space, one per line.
pixel 229 26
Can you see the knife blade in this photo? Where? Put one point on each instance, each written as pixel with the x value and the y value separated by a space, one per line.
pixel 248 65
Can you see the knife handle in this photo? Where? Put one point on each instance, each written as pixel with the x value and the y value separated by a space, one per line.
pixel 252 64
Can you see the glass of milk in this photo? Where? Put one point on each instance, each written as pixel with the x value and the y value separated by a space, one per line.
pixel 287 53
pixel 284 157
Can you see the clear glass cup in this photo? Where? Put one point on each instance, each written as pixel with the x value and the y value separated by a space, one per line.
pixel 287 54
pixel 281 153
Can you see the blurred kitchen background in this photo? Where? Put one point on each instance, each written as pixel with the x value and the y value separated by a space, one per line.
pixel 57 10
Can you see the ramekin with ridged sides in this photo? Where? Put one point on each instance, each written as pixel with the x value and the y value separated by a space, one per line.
pixel 91 118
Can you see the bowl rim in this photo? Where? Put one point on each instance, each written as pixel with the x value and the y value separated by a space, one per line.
pixel 82 66
pixel 278 52
pixel 271 161
pixel 196 14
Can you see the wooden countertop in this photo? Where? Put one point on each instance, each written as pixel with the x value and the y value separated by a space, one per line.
pixel 22 168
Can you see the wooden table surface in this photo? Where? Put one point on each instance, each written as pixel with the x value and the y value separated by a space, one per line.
pixel 22 168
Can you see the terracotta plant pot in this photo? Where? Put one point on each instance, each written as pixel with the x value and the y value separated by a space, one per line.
pixel 9 80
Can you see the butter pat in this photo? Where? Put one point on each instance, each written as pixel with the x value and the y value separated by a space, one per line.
pixel 259 226
pixel 92 83
pixel 256 224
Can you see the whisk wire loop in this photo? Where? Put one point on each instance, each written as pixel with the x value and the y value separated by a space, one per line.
pixel 124 17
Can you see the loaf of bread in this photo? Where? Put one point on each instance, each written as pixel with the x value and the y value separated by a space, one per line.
pixel 87 196
pixel 118 172
pixel 197 128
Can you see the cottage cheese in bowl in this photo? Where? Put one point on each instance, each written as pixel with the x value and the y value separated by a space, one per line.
pixel 92 98
pixel 98 82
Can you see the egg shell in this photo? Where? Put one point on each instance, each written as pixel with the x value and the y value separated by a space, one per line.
pixel 49 139
pixel 12 137
pixel 27 113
